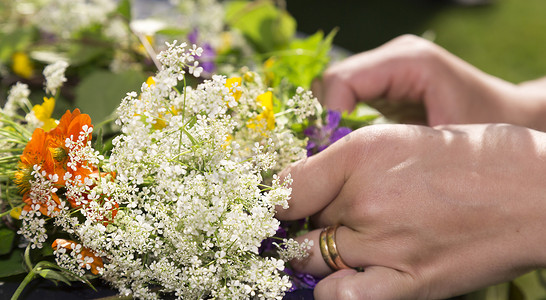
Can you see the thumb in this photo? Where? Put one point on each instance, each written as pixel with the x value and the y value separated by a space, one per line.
pixel 374 283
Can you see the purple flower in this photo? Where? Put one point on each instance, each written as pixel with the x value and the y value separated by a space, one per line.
pixel 322 137
pixel 301 280
pixel 267 244
pixel 206 61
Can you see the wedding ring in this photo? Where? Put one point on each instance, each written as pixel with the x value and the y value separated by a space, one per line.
pixel 328 249
pixel 325 251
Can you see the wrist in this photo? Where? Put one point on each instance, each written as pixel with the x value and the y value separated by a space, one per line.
pixel 527 104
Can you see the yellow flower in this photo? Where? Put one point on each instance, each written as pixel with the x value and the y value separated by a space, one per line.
pixel 22 65
pixel 267 116
pixel 16 212
pixel 43 113
pixel 150 81
pixel 229 84
pixel 229 138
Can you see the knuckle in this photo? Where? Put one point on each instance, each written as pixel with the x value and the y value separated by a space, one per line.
pixel 417 47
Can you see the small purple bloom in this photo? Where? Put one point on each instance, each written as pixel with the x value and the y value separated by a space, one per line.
pixel 301 280
pixel 206 61
pixel 267 244
pixel 322 137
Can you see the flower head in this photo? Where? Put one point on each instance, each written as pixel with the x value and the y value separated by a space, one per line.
pixel 43 113
pixel 320 137
pixel 54 76
pixel 33 154
pixel 22 65
pixel 84 256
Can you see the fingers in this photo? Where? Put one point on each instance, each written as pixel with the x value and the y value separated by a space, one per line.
pixel 399 69
pixel 374 283
pixel 352 251
pixel 316 182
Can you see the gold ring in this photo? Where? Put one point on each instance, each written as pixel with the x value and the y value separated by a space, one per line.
pixel 328 249
pixel 325 251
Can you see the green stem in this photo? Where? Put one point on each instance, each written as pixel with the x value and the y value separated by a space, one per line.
pixel 23 284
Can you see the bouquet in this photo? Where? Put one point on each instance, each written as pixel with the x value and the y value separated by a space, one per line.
pixel 178 195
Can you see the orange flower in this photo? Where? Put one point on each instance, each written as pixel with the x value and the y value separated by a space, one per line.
pixel 34 154
pixel 87 259
pixel 69 127
pixel 44 205
pixel 109 216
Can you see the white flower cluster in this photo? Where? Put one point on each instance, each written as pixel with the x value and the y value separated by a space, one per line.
pixel 181 203
pixel 65 17
pixel 17 99
pixel 41 199
pixel 54 76
pixel 205 16
pixel 304 104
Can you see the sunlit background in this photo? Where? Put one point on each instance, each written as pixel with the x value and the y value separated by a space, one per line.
pixel 506 38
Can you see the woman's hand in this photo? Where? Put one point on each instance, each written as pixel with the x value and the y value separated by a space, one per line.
pixel 412 69
pixel 428 212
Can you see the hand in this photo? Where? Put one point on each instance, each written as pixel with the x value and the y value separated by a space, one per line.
pixel 412 69
pixel 428 212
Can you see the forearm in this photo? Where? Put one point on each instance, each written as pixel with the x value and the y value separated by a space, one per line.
pixel 531 96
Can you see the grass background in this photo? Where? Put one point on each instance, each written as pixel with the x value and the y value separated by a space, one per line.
pixel 506 38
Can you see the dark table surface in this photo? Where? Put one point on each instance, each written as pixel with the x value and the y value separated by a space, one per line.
pixel 45 290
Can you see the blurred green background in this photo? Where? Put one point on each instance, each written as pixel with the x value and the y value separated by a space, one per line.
pixel 506 38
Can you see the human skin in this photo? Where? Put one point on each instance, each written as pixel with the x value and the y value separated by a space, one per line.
pixel 411 69
pixel 428 212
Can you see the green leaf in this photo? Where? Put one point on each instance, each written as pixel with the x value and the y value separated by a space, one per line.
pixel 303 60
pixel 82 53
pixel 173 32
pixel 6 240
pixel 12 264
pixel 362 115
pixel 266 26
pixel 101 92
pixel 54 275
pixel 124 9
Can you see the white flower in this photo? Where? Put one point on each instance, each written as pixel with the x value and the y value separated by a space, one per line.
pixel 54 76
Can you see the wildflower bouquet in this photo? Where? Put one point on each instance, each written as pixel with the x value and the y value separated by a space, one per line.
pixel 182 200
pixel 113 44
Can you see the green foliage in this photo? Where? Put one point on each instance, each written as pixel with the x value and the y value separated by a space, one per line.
pixel 100 93
pixel 14 40
pixel 361 116
pixel 11 264
pixel 124 9
pixel 302 61
pixel 267 27
pixel 6 240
